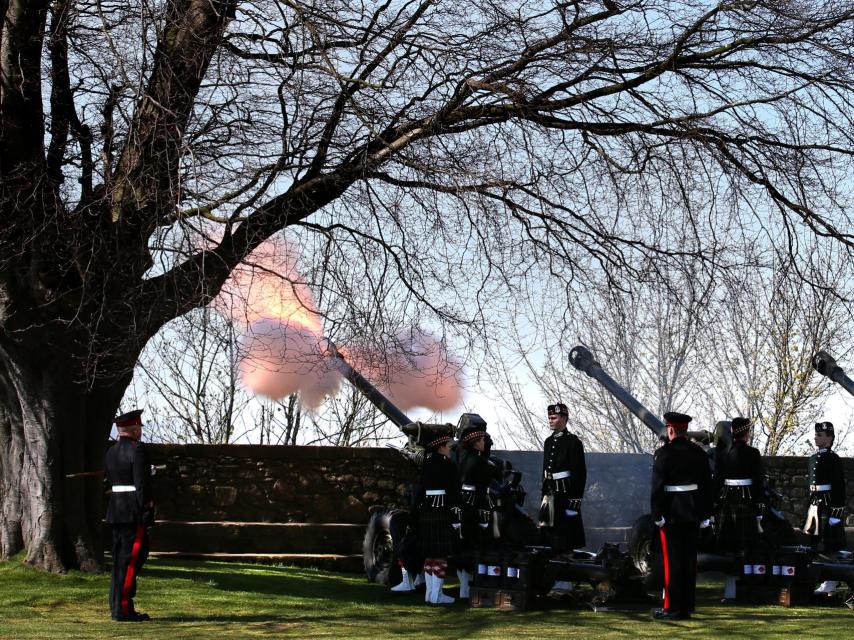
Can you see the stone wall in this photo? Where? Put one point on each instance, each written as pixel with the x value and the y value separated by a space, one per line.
pixel 250 483
pixel 789 476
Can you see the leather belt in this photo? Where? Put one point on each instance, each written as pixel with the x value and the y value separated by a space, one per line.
pixel 468 487
pixel 560 475
pixel 738 482
pixel 678 488
pixel 123 488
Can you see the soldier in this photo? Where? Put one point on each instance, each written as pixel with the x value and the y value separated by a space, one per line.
pixel 130 511
pixel 825 517
pixel 564 479
pixel 681 506
pixel 438 513
pixel 739 482
pixel 475 473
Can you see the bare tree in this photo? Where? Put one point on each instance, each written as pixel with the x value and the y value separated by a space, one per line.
pixel 418 142
pixel 648 339
pixel 768 328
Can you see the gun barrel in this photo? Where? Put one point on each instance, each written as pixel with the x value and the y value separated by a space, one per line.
pixel 368 390
pixel 583 360
pixel 824 363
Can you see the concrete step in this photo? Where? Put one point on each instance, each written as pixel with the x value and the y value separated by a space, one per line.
pixel 349 563
pixel 257 537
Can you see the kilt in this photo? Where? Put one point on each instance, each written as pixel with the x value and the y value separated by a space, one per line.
pixel 736 528
pixel 474 538
pixel 824 536
pixel 562 531
pixel 436 537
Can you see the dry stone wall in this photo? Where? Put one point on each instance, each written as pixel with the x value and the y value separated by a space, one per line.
pixel 249 483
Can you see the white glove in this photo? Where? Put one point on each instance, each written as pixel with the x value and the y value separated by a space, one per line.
pixel 759 518
pixel 705 523
pixel 456 525
pixel 660 522
pixel 833 521
pixel 570 512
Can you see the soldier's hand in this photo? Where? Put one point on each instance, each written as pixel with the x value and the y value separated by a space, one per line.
pixel 660 522
pixel 705 523
pixel 833 521
pixel 571 513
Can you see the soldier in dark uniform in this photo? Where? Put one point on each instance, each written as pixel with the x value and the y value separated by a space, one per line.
pixel 476 473
pixel 564 480
pixel 825 522
pixel 739 484
pixel 681 499
pixel 438 514
pixel 130 511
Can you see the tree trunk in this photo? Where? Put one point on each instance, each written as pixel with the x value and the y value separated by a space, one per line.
pixel 52 425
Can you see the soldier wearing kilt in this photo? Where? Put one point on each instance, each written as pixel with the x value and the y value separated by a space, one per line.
pixel 438 513
pixel 681 500
pixel 564 479
pixel 825 522
pixel 475 473
pixel 739 481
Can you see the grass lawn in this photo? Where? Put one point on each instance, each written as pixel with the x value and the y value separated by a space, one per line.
pixel 225 600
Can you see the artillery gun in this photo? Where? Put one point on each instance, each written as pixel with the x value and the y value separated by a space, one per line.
pixel 825 364
pixel 778 535
pixel 391 534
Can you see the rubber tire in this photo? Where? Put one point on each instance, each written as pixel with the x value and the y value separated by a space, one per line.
pixel 381 544
pixel 644 545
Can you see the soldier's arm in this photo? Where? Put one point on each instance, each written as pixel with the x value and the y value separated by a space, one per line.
pixel 837 491
pixel 142 477
pixel 705 487
pixel 758 479
pixel 656 493
pixel 578 479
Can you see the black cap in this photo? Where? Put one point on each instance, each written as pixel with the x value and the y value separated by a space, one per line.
pixel 677 420
pixel 435 435
pixel 824 427
pixel 558 408
pixel 129 419
pixel 470 434
pixel 740 425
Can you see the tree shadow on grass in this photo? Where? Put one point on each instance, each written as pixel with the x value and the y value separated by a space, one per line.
pixel 267 580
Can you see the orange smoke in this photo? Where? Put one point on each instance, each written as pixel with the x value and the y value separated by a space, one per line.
pixel 283 351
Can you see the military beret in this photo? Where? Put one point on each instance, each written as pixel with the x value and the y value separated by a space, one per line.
pixel 129 419
pixel 824 427
pixel 558 408
pixel 740 425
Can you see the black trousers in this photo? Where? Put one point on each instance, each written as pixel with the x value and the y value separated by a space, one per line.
pixel 679 556
pixel 130 550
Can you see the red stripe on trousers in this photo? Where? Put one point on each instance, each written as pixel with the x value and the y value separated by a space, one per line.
pixel 137 543
pixel 666 568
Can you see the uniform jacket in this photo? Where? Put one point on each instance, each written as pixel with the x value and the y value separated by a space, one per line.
pixel 126 463
pixel 476 471
pixel 741 462
pixel 681 462
pixel 563 451
pixel 825 467
pixel 439 472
